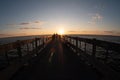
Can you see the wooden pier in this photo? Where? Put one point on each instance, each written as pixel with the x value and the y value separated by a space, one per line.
pixel 60 58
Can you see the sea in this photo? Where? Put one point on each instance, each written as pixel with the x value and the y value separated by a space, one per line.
pixel 14 39
pixel 109 38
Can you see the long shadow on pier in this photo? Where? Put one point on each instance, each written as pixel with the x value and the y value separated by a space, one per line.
pixel 56 62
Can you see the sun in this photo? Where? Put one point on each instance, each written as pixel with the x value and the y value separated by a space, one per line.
pixel 61 31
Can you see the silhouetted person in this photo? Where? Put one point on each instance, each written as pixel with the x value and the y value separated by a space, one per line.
pixel 53 37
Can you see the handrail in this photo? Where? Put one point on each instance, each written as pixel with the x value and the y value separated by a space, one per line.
pixel 15 63
pixel 105 44
pixel 102 64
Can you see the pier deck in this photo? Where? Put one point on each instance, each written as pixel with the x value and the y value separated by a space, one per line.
pixel 57 62
pixel 60 58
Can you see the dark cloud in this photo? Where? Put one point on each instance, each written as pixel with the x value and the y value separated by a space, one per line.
pixel 37 22
pixel 109 31
pixel 113 32
pixel 29 28
pixel 73 31
pixel 4 35
pixel 24 23
pixel 10 24
pixel 11 34
pixel 27 23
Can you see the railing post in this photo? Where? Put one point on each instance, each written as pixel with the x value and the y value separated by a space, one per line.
pixel 79 44
pixel 64 38
pixel 36 48
pixel 30 45
pixel 70 40
pixel 39 41
pixel 85 47
pixel 6 55
pixel 76 44
pixel 33 44
pixel 106 55
pixel 43 43
pixel 27 48
pixel 94 47
pixel 19 51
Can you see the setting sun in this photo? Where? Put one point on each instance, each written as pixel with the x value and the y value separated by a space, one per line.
pixel 61 31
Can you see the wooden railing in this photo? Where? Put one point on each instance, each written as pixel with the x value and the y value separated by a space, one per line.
pixel 19 53
pixel 102 55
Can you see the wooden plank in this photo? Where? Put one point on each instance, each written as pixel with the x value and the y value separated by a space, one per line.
pixel 7 73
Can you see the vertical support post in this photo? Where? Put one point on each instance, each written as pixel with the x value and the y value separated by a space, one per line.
pixel 80 44
pixel 36 48
pixel 70 40
pixel 6 55
pixel 64 38
pixel 106 55
pixel 39 41
pixel 85 47
pixel 67 39
pixel 33 48
pixel 94 47
pixel 30 45
pixel 76 44
pixel 43 43
pixel 46 39
pixel 33 45
pixel 27 48
pixel 19 51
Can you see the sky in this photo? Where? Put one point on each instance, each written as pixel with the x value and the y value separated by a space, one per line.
pixel 39 17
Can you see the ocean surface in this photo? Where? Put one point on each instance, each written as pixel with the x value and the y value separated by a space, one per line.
pixel 13 39
pixel 115 39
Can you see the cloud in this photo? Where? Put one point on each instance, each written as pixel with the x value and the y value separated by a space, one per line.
pixel 11 34
pixel 38 22
pixel 73 31
pixel 29 28
pixel 24 23
pixel 95 18
pixel 5 35
pixel 32 23
pixel 97 32
pixel 112 32
pixel 109 31
pixel 10 24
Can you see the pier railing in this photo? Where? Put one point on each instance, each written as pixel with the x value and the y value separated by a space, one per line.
pixel 16 54
pixel 102 55
pixel 21 48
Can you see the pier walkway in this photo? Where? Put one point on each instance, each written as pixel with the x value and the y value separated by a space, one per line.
pixel 57 62
pixel 60 58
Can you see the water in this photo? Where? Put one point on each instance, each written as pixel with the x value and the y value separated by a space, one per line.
pixel 115 39
pixel 13 39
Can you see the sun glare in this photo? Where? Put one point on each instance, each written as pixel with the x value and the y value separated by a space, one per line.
pixel 61 31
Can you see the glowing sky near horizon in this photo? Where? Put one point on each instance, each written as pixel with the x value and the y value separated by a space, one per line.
pixel 35 17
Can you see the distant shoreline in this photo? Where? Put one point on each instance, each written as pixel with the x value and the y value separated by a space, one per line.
pixel 64 34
